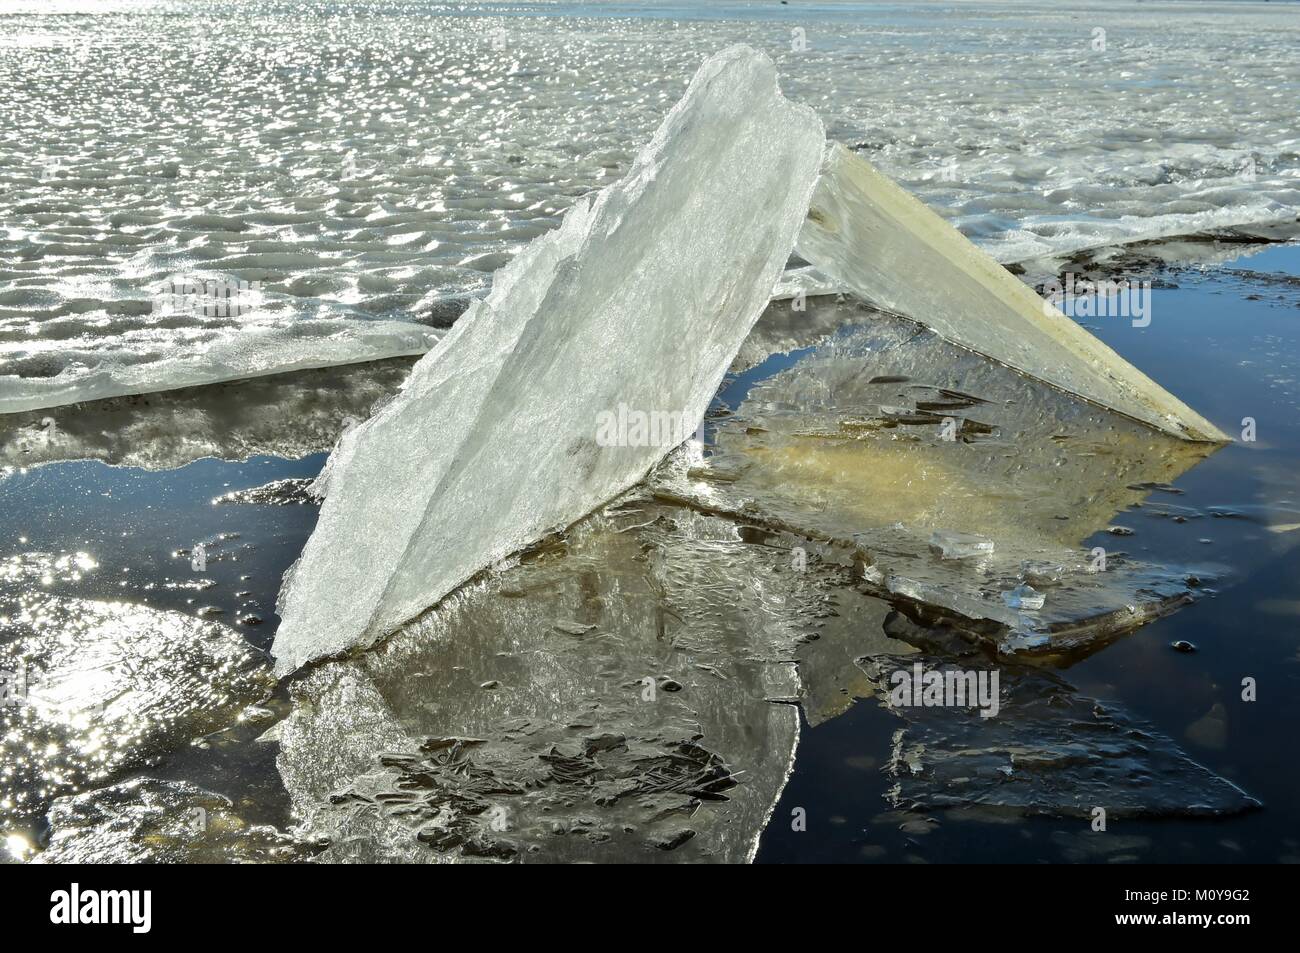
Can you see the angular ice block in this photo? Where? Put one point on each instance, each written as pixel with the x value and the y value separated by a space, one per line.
pixel 870 235
pixel 952 545
pixel 641 298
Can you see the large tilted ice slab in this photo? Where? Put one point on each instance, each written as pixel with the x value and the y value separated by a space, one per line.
pixel 641 298
pixel 869 234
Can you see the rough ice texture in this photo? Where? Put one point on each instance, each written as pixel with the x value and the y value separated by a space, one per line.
pixel 642 297
pixel 152 821
pixel 889 248
pixel 402 754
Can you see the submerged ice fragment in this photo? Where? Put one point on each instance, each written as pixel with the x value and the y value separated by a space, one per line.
pixel 951 545
pixel 1024 597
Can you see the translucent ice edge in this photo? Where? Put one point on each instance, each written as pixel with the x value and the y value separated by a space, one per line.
pixel 641 299
pixel 892 250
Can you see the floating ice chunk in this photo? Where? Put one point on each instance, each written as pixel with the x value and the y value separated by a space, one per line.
pixel 105 686
pixel 952 545
pixel 288 415
pixel 807 446
pixel 865 231
pixel 1024 597
pixel 642 297
pixel 392 756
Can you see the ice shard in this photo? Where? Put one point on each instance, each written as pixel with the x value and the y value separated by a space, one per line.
pixel 869 235
pixel 640 299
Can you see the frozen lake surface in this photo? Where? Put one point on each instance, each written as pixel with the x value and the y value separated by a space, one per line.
pixel 683 672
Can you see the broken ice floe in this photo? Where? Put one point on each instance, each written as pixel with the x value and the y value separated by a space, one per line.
pixel 641 297
pixel 581 752
pixel 464 739
pixel 242 349
pixel 289 415
pixel 662 733
pixel 953 478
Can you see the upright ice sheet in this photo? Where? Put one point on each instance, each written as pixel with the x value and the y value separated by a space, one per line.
pixel 886 246
pixel 640 300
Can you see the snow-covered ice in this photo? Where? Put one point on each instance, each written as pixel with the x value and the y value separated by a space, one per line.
pixel 641 298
